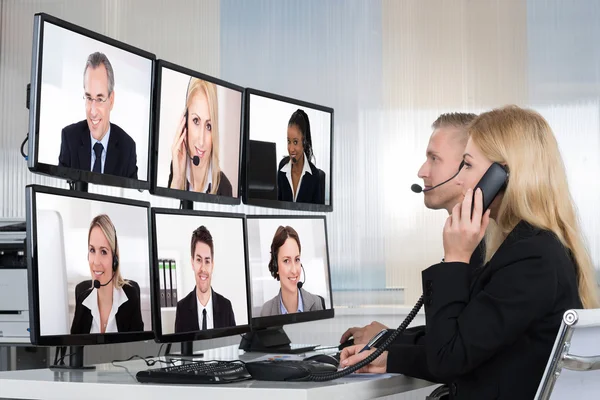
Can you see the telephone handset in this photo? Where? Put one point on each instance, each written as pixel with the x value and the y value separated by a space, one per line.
pixel 491 183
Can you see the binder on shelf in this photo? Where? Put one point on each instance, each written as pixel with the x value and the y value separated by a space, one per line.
pixel 168 282
pixel 161 277
pixel 173 284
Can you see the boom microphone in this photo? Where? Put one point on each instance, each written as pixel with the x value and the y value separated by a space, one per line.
pixel 195 160
pixel 418 189
pixel 97 283
pixel 300 284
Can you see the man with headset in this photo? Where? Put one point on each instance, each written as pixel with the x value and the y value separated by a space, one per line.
pixel 443 161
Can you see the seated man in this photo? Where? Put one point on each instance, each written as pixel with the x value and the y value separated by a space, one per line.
pixel 95 144
pixel 203 308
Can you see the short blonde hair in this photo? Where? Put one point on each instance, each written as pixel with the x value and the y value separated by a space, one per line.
pixel 537 191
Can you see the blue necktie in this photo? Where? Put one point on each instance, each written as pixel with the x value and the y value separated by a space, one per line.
pixel 98 162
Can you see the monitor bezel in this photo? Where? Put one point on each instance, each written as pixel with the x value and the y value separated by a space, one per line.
pixel 32 272
pixel 287 319
pixel 155 278
pixel 280 204
pixel 162 191
pixel 73 174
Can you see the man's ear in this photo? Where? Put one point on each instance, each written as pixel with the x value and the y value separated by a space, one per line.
pixel 111 100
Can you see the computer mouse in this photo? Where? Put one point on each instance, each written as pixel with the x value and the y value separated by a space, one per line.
pixel 325 358
pixel 349 342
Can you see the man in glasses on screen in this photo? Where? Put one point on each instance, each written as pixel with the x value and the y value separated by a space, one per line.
pixel 95 144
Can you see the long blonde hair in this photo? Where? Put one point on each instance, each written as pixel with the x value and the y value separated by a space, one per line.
pixel 537 190
pixel 105 224
pixel 210 90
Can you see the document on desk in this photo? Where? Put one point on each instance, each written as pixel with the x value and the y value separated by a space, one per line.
pixel 271 357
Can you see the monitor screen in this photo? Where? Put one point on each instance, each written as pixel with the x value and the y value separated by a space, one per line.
pixel 283 252
pixel 200 285
pixel 198 136
pixel 288 154
pixel 90 106
pixel 88 262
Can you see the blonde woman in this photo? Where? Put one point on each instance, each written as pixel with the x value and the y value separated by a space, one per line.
pixel 490 333
pixel 107 303
pixel 195 150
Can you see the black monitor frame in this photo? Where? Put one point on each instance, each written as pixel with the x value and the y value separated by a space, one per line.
pixel 286 205
pixel 32 273
pixel 184 194
pixel 73 174
pixel 280 320
pixel 155 283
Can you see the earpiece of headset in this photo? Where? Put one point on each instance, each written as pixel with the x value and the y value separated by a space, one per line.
pixel 115 263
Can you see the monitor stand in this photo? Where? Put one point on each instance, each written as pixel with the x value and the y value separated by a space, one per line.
pixel 187 350
pixel 75 360
pixel 271 340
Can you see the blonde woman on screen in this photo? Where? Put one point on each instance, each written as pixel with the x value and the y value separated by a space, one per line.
pixel 195 150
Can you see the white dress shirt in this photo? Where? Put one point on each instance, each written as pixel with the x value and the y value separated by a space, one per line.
pixel 104 142
pixel 287 168
pixel 91 302
pixel 209 312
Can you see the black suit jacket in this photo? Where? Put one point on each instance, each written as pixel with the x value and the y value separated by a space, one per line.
pixel 76 150
pixel 489 332
pixel 129 316
pixel 224 189
pixel 311 190
pixel 186 316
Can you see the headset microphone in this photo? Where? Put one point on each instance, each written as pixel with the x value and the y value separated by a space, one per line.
pixel 300 284
pixel 97 283
pixel 418 189
pixel 195 160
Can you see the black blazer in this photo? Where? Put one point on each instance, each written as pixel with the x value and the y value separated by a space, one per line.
pixel 186 315
pixel 311 190
pixel 224 189
pixel 129 316
pixel 489 332
pixel 76 150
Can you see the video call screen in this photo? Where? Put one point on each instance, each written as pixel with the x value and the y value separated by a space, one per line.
pixel 201 267
pixel 285 138
pixel 93 93
pixel 90 253
pixel 199 135
pixel 283 252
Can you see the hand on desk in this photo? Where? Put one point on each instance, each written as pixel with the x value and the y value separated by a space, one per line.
pixel 350 356
pixel 364 334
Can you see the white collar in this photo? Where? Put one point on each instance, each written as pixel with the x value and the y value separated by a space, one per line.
pixel 208 180
pixel 287 168
pixel 208 305
pixel 104 140
pixel 91 302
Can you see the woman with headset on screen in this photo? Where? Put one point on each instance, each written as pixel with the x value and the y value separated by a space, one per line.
pixel 285 266
pixel 490 332
pixel 298 179
pixel 107 303
pixel 195 150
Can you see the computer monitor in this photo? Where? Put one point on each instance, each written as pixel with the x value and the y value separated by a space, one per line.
pixel 84 252
pixel 90 106
pixel 300 136
pixel 289 278
pixel 197 136
pixel 199 275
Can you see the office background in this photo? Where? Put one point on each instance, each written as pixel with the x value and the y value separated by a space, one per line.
pixel 388 68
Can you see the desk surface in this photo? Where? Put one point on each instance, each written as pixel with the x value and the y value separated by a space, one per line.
pixel 118 381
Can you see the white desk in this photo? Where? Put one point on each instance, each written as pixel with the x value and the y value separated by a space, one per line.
pixel 108 381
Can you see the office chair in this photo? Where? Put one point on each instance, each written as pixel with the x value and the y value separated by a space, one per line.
pixel 563 377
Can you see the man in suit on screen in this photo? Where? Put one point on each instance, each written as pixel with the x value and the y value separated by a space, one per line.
pixel 203 308
pixel 95 144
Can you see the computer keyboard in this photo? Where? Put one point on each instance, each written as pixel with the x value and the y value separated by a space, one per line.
pixel 196 372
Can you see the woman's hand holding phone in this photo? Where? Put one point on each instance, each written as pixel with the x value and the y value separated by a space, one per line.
pixel 463 232
pixel 179 154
